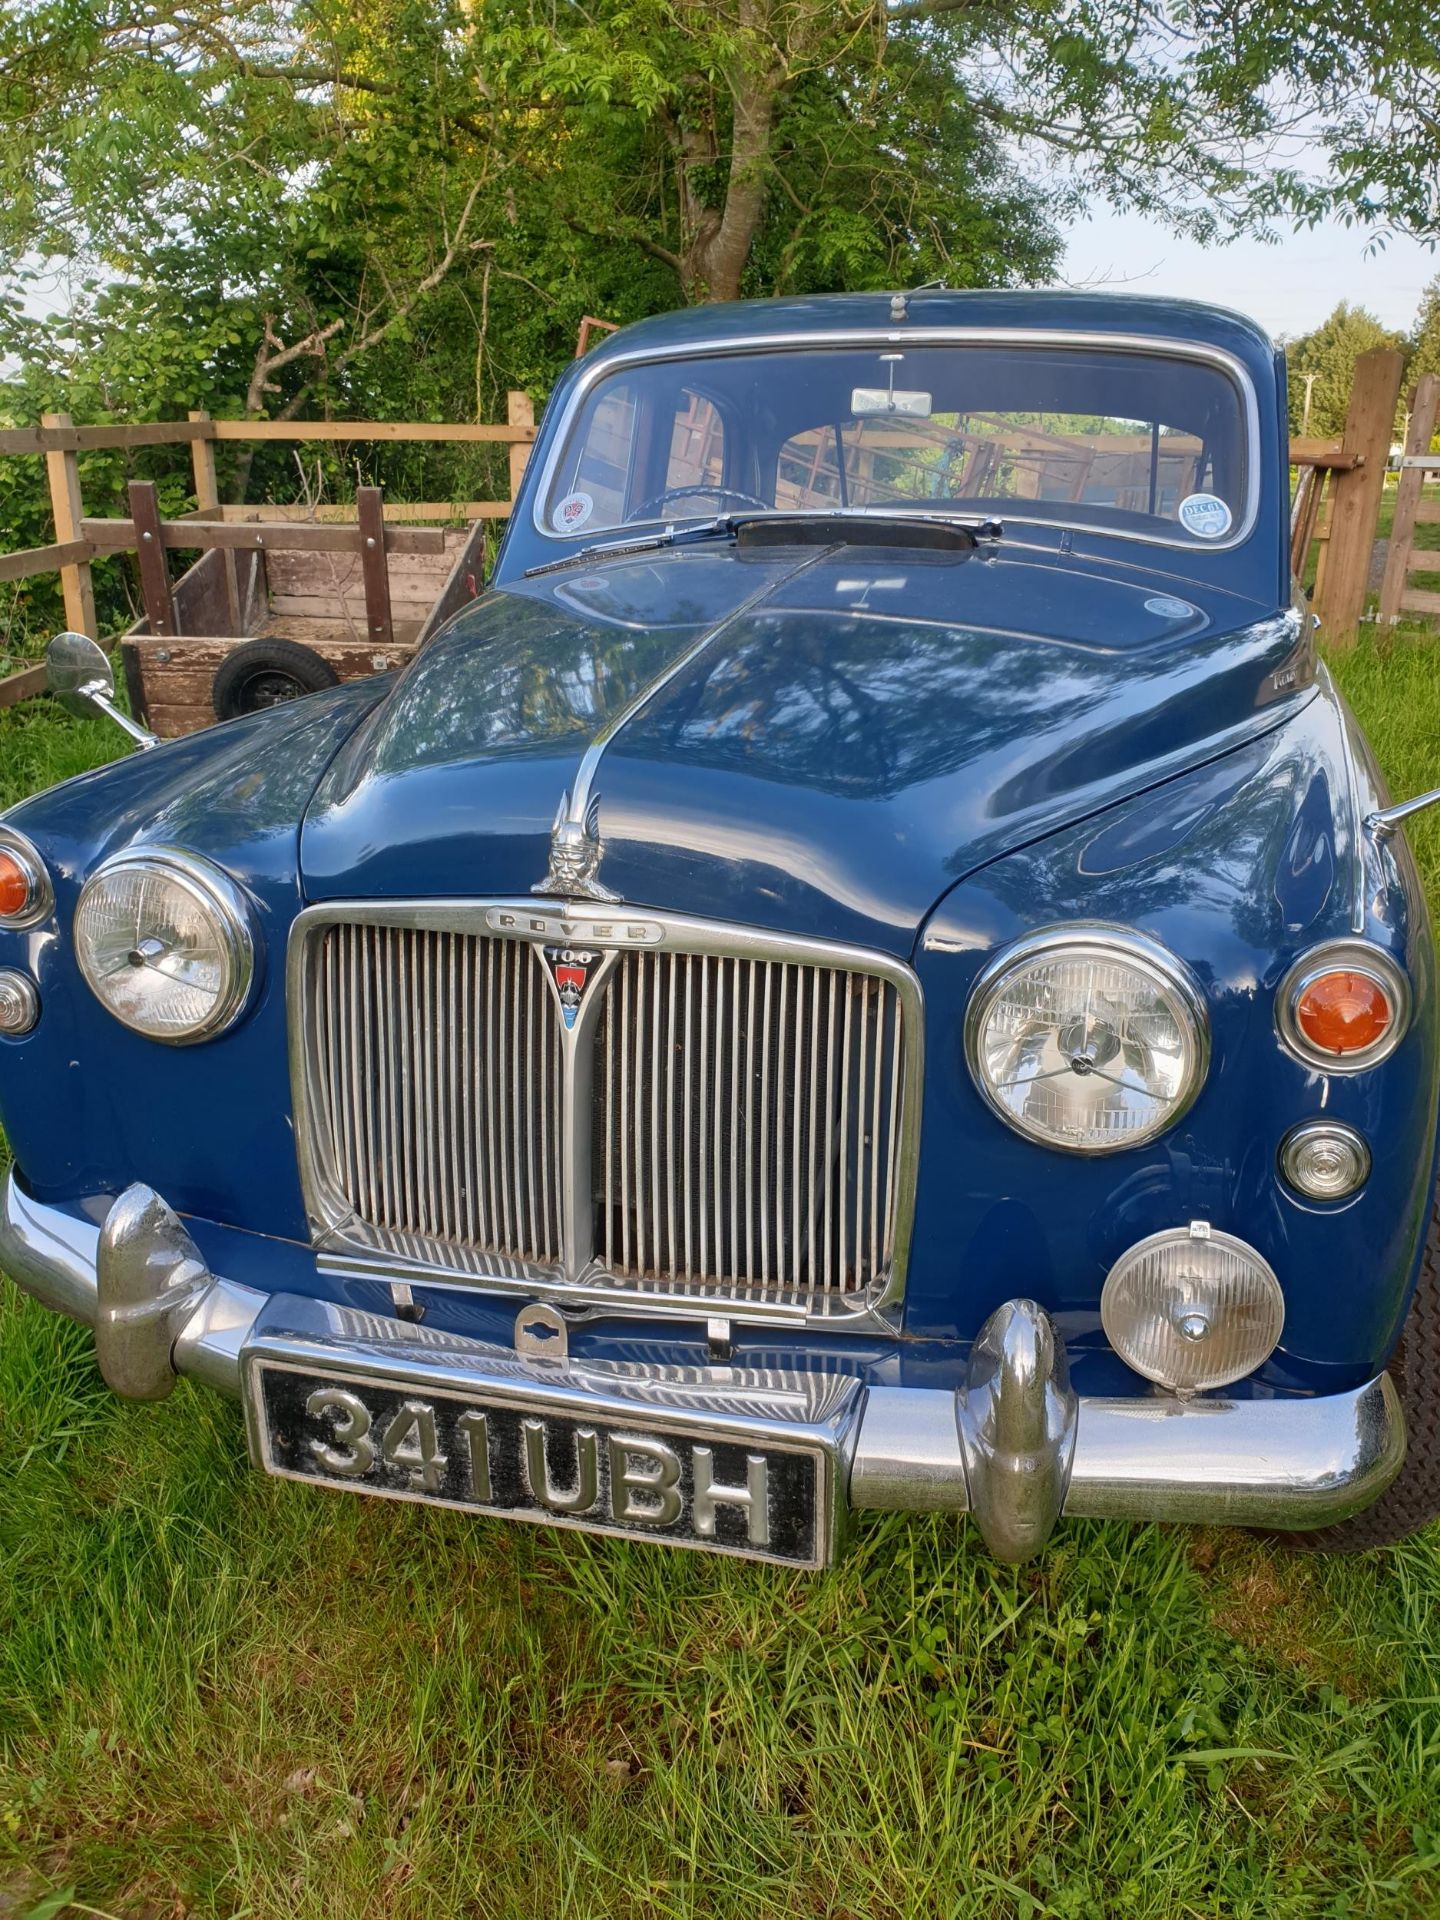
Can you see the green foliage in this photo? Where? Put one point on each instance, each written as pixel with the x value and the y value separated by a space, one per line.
pixel 1329 354
pixel 1425 339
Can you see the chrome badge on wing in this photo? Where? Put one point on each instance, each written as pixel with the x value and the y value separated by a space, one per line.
pixel 575 853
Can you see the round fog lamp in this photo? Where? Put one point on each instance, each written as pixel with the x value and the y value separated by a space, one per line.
pixel 1324 1159
pixel 1192 1308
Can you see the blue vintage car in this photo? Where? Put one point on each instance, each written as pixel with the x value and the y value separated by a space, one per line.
pixel 870 969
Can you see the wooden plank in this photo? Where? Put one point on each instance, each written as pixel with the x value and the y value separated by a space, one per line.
pixel 1321 453
pixel 117 535
pixel 521 416
pixel 1427 513
pixel 338 572
pixel 369 503
pixel 349 608
pixel 454 511
pixel 68 510
pixel 207 503
pixel 368 430
pixel 57 434
pixel 154 571
pixel 31 560
pixel 178 676
pixel 16 687
pixel 1368 427
pixel 467 577
pixel 1414 601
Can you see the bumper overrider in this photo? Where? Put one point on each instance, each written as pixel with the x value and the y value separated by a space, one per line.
pixel 705 1456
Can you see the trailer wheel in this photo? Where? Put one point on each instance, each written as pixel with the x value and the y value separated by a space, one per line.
pixel 262 673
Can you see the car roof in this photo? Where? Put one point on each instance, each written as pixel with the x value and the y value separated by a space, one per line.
pixel 1147 315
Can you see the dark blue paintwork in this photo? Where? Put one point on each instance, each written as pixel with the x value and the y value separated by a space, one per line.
pixel 924 754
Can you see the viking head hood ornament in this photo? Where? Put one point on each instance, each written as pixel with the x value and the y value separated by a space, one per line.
pixel 575 852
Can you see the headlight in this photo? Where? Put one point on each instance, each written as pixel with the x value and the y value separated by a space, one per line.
pixel 1192 1308
pixel 165 943
pixel 1087 1038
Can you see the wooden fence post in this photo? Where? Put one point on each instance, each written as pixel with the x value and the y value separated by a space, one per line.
pixel 374 567
pixel 207 500
pixel 63 470
pixel 1369 424
pixel 519 412
pixel 154 569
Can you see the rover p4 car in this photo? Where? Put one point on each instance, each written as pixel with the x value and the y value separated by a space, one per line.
pixel 869 968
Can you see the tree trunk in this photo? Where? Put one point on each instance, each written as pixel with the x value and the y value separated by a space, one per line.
pixel 717 244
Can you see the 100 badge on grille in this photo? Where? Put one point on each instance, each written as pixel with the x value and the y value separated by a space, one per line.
pixel 534 1463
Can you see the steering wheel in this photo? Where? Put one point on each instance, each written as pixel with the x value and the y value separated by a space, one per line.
pixel 654 507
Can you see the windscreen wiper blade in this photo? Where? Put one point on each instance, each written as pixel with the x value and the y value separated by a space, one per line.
pixel 823 526
pixel 724 524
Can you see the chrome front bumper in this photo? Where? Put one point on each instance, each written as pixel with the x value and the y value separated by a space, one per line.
pixel 1014 1446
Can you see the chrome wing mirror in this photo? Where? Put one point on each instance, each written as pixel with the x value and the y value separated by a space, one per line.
pixel 1384 823
pixel 81 679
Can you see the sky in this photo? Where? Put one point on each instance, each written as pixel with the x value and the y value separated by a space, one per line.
pixel 1289 287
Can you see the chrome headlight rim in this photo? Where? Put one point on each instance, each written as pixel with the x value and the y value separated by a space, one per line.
pixel 1342 956
pixel 42 895
pixel 217 892
pixel 1150 957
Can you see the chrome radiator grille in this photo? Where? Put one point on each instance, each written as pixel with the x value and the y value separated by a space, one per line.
pixel 440 1086
pixel 712 1119
pixel 748 1125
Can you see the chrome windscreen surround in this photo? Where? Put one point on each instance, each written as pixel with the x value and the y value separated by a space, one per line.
pixel 499 1095
pixel 26 855
pixel 1342 956
pixel 918 334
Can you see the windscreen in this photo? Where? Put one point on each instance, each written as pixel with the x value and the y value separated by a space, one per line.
pixel 1139 443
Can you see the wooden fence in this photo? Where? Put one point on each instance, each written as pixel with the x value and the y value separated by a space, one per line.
pixel 360 530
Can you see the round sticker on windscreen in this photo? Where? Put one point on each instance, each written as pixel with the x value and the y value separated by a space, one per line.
pixel 572 513
pixel 1205 515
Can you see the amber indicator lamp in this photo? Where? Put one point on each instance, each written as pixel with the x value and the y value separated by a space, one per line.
pixel 1343 1012
pixel 17 888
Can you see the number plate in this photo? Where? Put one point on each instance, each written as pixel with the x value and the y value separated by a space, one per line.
pixel 490 1454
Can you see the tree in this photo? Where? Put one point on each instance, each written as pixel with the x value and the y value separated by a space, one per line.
pixel 1321 365
pixel 1425 338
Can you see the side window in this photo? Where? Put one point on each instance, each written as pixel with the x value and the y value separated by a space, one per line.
pixel 697 444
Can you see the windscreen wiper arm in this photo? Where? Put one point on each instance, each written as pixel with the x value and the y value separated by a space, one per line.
pixel 854 526
pixel 724 524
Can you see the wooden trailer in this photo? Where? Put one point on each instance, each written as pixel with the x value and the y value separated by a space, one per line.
pixel 246 626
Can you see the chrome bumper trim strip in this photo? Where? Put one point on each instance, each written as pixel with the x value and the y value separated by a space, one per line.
pixel 1289 1463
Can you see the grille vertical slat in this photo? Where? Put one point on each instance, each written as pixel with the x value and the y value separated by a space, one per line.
pixel 775 1143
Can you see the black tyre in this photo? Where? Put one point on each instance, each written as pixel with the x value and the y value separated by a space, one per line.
pixel 1412 1500
pixel 262 673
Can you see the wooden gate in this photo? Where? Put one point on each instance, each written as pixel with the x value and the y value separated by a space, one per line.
pixel 1413 510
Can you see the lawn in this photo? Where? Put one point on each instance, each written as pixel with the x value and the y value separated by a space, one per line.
pixel 222 1695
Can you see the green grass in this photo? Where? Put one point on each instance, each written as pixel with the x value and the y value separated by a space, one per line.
pixel 223 1695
